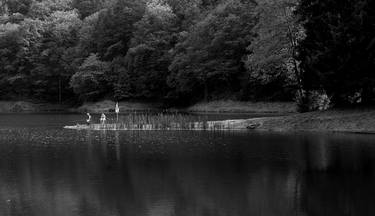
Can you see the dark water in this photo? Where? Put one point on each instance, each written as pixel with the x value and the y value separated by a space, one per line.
pixel 48 171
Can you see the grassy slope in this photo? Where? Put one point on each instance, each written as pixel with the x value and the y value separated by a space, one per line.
pixel 29 107
pixel 360 121
pixel 333 120
pixel 249 107
pixel 109 106
pixel 215 106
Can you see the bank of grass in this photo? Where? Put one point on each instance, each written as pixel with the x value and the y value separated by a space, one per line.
pixel 229 106
pixel 350 120
pixel 107 106
pixel 30 107
pixel 344 120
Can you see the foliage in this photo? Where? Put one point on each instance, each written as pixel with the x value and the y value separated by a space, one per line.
pixel 188 50
pixel 18 6
pixel 87 7
pixel 152 49
pixel 89 81
pixel 272 63
pixel 147 60
pixel 208 58
pixel 338 52
pixel 313 100
pixel 115 27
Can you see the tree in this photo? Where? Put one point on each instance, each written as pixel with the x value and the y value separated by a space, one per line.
pixel 43 9
pixel 4 8
pixel 208 58
pixel 89 82
pixel 338 52
pixel 115 27
pixel 18 6
pixel 51 73
pixel 272 64
pixel 87 7
pixel 148 59
pixel 10 48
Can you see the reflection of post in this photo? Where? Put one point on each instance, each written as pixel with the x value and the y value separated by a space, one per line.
pixel 292 190
pixel 117 145
pixel 321 157
pixel 297 193
pixel 88 137
pixel 90 149
pixel 103 142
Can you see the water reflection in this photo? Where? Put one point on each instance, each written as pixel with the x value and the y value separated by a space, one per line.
pixel 59 172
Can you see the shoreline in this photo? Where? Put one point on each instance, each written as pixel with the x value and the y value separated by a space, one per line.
pixel 332 121
pixel 338 121
pixel 359 121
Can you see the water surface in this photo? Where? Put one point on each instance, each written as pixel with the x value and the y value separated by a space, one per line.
pixel 48 171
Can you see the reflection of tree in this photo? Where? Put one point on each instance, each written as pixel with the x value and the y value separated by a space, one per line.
pixel 155 175
pixel 338 194
pixel 319 154
pixel 213 185
pixel 169 173
pixel 339 179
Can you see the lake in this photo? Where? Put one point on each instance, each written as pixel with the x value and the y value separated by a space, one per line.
pixel 48 171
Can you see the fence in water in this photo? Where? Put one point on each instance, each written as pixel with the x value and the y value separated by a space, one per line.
pixel 161 121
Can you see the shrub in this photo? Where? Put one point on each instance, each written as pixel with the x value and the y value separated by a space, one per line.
pixel 312 100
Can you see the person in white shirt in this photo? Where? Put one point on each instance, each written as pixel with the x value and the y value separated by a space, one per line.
pixel 88 120
pixel 102 119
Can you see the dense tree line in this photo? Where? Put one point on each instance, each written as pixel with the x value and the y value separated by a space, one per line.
pixel 182 51
pixel 170 50
pixel 338 53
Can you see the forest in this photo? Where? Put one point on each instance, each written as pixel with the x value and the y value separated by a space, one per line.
pixel 317 52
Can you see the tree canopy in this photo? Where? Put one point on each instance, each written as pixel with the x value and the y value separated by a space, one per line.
pixel 338 52
pixel 182 51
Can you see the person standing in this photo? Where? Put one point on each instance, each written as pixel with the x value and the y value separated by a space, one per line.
pixel 102 119
pixel 88 120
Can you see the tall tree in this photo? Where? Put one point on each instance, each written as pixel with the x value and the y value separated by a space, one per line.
pixel 89 83
pixel 148 58
pixel 18 6
pixel 88 7
pixel 3 8
pixel 273 67
pixel 51 73
pixel 115 27
pixel 208 58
